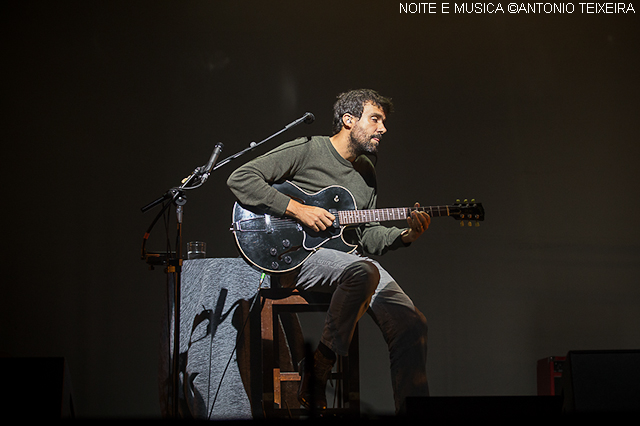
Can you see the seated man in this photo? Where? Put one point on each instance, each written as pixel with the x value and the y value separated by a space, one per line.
pixel 358 284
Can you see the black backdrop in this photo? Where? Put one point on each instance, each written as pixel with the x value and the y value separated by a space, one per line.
pixel 108 104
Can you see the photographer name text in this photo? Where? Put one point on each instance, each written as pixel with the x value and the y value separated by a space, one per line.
pixel 525 8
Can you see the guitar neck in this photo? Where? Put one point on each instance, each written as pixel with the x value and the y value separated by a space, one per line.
pixel 351 217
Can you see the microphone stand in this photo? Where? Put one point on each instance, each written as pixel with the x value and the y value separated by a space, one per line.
pixel 174 268
pixel 174 263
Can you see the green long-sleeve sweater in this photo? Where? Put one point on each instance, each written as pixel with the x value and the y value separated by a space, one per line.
pixel 313 164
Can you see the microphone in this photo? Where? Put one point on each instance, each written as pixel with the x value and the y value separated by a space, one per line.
pixel 307 118
pixel 206 170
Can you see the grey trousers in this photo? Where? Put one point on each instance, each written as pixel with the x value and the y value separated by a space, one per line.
pixel 360 285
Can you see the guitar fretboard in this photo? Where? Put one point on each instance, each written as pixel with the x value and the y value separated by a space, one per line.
pixel 350 217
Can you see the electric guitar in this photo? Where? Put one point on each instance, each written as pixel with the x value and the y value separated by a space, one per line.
pixel 280 244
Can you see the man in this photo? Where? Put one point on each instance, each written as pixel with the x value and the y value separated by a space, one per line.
pixel 358 283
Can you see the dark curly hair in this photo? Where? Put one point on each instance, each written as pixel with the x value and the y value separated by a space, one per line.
pixel 352 102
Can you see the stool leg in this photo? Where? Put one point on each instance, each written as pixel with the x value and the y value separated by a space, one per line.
pixel 268 330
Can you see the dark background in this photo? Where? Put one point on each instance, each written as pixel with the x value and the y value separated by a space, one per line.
pixel 109 104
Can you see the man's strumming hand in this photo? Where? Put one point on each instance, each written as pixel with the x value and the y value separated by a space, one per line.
pixel 312 217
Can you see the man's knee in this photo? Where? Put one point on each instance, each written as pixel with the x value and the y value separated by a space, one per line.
pixel 415 330
pixel 362 273
pixel 420 322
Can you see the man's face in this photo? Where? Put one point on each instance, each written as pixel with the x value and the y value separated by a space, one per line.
pixel 367 131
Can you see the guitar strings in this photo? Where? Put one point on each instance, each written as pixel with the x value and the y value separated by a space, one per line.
pixel 349 217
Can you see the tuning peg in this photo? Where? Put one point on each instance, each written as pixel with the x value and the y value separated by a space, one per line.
pixel 465 200
pixel 458 200
pixel 462 223
pixel 477 223
pixel 470 223
pixel 473 200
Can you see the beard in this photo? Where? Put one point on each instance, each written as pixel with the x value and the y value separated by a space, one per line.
pixel 361 143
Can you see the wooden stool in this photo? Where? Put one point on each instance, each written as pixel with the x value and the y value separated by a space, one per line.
pixel 274 320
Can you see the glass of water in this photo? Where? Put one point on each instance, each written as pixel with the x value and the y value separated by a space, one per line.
pixel 196 250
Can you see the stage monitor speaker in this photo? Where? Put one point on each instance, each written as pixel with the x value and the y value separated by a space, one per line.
pixel 601 381
pixel 36 388
pixel 448 409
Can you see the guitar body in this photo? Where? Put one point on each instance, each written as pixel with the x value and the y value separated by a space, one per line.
pixel 279 244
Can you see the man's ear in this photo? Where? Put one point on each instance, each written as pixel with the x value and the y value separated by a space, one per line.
pixel 348 120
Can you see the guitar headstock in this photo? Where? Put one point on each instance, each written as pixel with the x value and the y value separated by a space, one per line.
pixel 466 210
